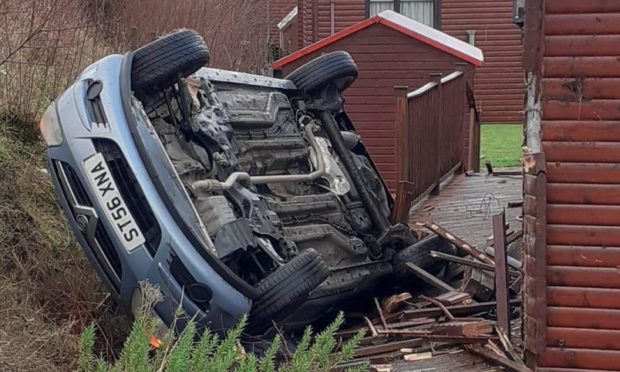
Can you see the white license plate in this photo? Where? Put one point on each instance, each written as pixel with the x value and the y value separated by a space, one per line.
pixel 110 199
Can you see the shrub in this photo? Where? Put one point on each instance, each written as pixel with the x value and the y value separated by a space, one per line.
pixel 187 352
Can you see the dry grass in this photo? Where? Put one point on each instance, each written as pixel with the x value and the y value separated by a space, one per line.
pixel 44 44
pixel 49 293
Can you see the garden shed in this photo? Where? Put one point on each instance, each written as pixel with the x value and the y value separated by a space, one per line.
pixel 391 50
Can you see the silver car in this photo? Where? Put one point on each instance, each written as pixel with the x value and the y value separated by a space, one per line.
pixel 234 193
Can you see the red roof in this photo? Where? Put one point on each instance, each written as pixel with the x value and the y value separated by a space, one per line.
pixel 404 25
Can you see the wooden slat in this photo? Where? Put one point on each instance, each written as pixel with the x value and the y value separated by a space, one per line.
pixel 581 45
pixel 581 130
pixel 544 369
pixel 590 215
pixel 583 318
pixel 578 89
pixel 583 235
pixel 587 173
pixel 601 109
pixel 581 6
pixel 579 338
pixel 582 152
pixel 581 66
pixel 604 298
pixel 582 24
pixel 608 360
pixel 572 276
pixel 558 193
pixel 583 256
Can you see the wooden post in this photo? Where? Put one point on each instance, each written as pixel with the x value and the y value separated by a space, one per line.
pixel 404 185
pixel 471 163
pixel 501 273
pixel 403 147
pixel 439 112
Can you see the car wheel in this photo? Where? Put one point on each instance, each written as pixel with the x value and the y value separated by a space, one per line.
pixel 157 64
pixel 336 67
pixel 286 289
pixel 419 255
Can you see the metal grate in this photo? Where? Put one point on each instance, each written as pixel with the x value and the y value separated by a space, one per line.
pixel 76 186
pixel 102 245
pixel 131 192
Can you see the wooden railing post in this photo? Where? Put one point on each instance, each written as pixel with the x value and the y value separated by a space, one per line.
pixel 402 130
pixel 404 176
pixel 473 160
pixel 439 111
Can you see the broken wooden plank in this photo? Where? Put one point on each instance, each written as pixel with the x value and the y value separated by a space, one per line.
pixel 413 323
pixel 501 273
pixel 479 283
pixel 442 307
pixel 465 329
pixel 429 278
pixel 513 237
pixel 492 357
pixel 417 357
pixel 462 261
pixel 393 303
pixel 459 339
pixel 459 243
pixel 512 353
pixel 373 330
pixel 406 332
pixel 380 368
pixel 404 198
pixel 455 310
pixel 387 347
pixel 380 311
pixel 453 298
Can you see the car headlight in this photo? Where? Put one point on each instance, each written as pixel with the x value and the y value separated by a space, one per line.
pixel 50 127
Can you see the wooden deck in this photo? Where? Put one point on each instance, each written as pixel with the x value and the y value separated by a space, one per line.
pixel 467 204
pixel 457 361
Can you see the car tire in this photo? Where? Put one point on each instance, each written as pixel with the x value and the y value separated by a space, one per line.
pixel 336 67
pixel 157 64
pixel 286 289
pixel 419 255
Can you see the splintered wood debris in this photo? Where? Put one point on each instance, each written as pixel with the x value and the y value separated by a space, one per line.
pixel 451 322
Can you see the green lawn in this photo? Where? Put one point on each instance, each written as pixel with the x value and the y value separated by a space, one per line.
pixel 501 144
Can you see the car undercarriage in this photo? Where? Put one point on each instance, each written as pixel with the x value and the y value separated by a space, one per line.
pixel 267 183
pixel 242 193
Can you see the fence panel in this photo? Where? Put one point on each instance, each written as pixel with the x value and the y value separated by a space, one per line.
pixel 430 141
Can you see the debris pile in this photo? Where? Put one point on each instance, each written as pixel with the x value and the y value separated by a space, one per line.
pixel 467 317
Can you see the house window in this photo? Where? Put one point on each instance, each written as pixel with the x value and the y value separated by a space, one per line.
pixel 421 10
pixel 377 6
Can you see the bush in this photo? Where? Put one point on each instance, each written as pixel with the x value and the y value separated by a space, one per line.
pixel 188 352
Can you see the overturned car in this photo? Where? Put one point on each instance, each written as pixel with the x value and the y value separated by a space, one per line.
pixel 235 194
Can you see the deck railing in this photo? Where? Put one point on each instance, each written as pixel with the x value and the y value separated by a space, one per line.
pixel 430 123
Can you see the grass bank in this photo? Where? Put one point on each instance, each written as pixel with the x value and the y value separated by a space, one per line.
pixel 49 293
